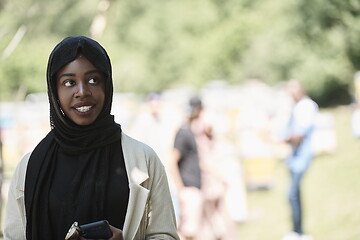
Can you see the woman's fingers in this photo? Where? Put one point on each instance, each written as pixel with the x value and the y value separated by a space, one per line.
pixel 117 233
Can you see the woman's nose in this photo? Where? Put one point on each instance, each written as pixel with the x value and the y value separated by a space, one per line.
pixel 82 90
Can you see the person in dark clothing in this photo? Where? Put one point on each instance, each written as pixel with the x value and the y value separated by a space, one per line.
pixel 185 169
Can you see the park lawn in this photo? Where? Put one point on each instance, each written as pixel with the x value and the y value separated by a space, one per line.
pixel 331 194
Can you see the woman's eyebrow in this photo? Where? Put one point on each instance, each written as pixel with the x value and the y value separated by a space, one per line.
pixel 73 74
pixel 67 75
pixel 92 71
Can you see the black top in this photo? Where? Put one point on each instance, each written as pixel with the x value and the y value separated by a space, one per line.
pixel 117 190
pixel 189 158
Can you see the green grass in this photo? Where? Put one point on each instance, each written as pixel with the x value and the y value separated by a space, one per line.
pixel 331 194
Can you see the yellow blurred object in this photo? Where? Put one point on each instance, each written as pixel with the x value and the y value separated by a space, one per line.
pixel 259 172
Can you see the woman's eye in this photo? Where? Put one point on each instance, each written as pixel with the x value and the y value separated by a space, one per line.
pixel 69 83
pixel 93 80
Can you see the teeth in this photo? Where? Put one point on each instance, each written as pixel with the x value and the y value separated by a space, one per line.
pixel 83 108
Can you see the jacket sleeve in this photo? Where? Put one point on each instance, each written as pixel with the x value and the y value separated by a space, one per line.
pixel 161 217
pixel 15 220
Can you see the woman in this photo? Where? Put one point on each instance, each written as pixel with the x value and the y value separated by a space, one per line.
pixel 86 169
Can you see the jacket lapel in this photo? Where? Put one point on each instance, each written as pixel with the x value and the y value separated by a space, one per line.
pixel 137 174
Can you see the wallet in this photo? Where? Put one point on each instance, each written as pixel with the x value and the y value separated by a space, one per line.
pixel 95 230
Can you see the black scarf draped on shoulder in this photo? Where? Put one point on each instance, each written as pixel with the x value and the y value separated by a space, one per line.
pixel 92 143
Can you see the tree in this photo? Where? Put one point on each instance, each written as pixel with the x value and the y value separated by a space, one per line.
pixel 155 45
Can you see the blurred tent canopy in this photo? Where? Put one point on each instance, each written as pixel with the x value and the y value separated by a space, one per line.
pixel 156 45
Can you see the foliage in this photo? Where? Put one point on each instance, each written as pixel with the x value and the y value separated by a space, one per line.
pixel 156 45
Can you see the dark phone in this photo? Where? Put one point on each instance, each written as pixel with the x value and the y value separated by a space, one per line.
pixel 96 230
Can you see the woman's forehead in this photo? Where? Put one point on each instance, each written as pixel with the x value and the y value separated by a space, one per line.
pixel 80 64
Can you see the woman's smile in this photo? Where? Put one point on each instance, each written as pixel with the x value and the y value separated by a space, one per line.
pixel 84 109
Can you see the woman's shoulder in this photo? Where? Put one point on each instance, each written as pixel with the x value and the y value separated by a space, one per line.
pixel 130 142
pixel 20 172
pixel 137 153
pixel 22 165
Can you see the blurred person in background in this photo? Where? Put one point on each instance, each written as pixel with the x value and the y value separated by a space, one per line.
pixel 298 134
pixel 87 169
pixel 150 126
pixel 154 128
pixel 186 173
pixel 215 185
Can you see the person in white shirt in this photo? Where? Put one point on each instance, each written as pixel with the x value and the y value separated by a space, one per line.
pixel 299 133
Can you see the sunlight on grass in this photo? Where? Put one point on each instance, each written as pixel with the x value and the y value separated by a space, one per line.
pixel 331 194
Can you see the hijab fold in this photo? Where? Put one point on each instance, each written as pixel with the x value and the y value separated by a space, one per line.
pixel 93 146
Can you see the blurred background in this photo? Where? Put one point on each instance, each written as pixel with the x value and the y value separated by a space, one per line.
pixel 236 55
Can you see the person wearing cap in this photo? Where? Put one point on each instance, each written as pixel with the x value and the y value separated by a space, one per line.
pixel 185 170
pixel 87 169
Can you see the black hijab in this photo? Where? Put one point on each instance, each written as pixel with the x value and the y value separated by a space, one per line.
pixel 92 144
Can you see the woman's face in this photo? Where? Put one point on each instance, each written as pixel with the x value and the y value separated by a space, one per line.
pixel 81 90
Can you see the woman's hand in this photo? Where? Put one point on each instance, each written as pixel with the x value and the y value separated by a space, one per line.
pixel 117 234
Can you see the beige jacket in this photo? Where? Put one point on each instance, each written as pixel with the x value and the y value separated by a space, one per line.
pixel 150 213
